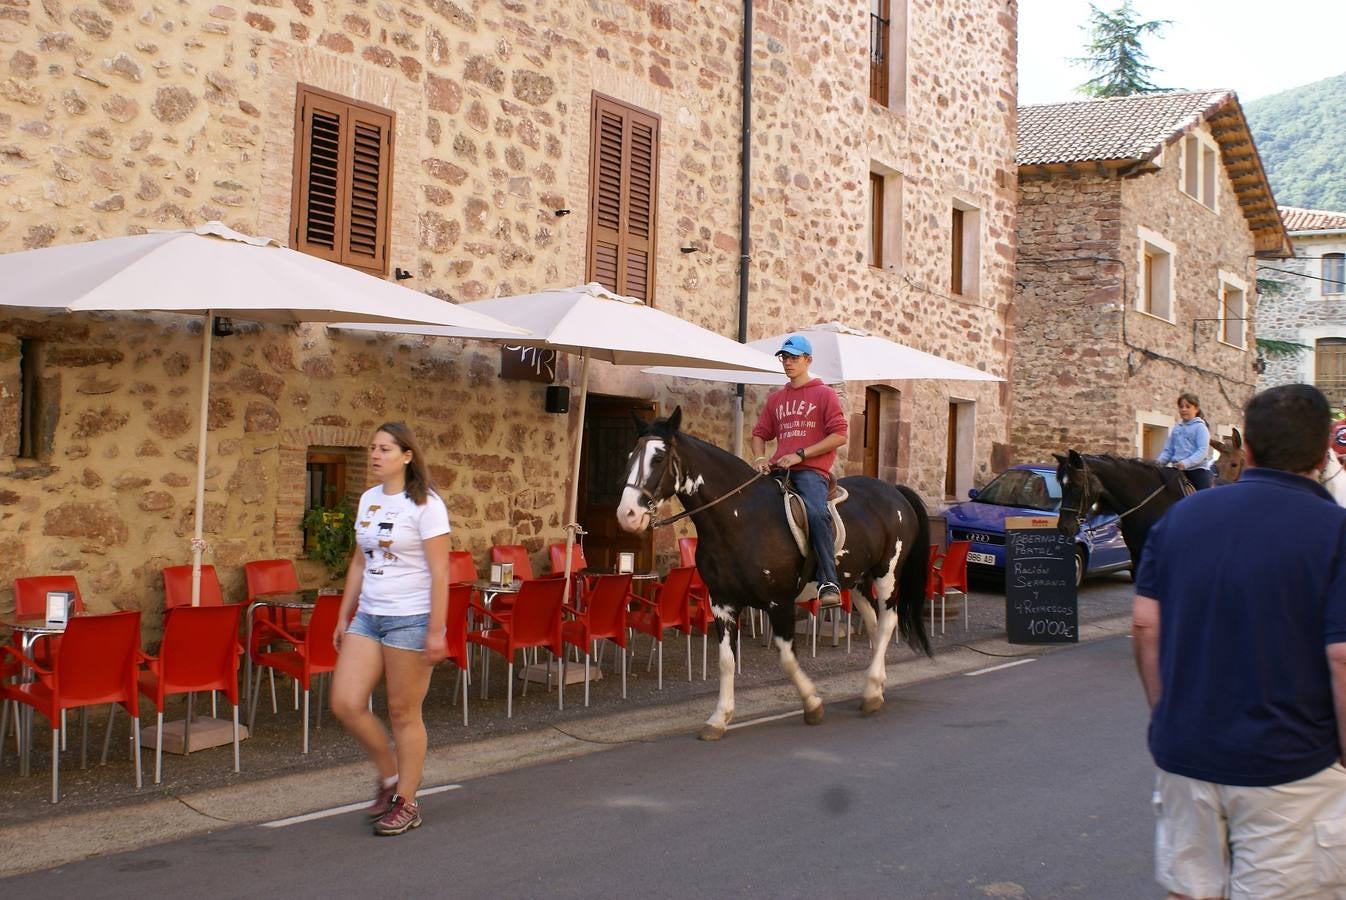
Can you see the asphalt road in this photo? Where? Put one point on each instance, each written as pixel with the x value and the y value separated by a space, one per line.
pixel 1030 781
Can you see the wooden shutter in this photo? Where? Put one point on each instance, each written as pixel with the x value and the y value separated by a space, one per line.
pixel 956 253
pixel 623 196
pixel 876 219
pixel 342 180
pixel 1329 362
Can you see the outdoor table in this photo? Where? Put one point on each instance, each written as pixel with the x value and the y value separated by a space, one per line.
pixel 29 629
pixel 279 600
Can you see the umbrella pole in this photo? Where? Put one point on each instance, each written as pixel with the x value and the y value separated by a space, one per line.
pixel 197 542
pixel 572 508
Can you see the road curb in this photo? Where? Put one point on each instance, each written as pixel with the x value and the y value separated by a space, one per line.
pixel 66 839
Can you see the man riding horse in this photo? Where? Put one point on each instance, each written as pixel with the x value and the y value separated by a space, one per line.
pixel 806 421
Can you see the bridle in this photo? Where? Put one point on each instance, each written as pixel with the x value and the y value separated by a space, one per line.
pixel 672 462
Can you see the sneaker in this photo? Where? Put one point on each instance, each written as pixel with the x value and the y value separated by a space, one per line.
pixel 383 800
pixel 829 594
pixel 401 816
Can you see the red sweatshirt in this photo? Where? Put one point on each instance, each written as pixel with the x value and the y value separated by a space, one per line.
pixel 796 417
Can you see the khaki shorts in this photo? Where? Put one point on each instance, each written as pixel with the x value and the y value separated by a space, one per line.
pixel 1288 840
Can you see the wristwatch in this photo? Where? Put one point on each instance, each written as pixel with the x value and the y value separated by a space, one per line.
pixel 800 451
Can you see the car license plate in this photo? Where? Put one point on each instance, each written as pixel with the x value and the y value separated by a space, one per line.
pixel 985 559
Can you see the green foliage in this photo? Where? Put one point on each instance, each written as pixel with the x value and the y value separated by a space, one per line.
pixel 1272 348
pixel 331 532
pixel 1116 58
pixel 1301 136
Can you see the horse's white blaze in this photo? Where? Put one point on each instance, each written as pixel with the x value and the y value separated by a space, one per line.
pixel 632 515
pixel 807 691
pixel 724 707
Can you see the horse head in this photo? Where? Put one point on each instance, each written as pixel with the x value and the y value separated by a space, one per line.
pixel 1080 490
pixel 653 472
pixel 1230 464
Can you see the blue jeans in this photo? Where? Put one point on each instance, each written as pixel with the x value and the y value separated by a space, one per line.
pixel 812 488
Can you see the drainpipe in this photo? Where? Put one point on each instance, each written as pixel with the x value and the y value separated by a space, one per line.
pixel 745 211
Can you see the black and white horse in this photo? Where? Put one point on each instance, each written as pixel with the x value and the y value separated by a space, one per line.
pixel 748 558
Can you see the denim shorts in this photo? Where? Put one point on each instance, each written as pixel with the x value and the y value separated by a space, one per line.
pixel 400 632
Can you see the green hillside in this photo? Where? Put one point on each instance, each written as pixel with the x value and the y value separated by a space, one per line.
pixel 1301 135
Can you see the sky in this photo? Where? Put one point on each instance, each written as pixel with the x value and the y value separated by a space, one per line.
pixel 1211 44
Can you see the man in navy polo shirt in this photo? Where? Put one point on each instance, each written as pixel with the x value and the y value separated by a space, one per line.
pixel 1239 632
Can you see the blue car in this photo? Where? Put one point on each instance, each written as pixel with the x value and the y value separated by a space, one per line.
pixel 1031 490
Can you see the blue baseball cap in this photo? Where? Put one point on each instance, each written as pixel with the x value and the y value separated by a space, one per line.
pixel 796 345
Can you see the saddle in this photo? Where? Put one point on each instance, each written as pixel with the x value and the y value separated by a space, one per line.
pixel 798 519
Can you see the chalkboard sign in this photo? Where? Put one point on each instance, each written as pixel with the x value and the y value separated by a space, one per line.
pixel 1040 602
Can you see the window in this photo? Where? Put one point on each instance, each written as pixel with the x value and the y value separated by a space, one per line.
pixel 1154 287
pixel 342 194
pixel 1334 273
pixel 30 400
pixel 1233 309
pixel 1200 168
pixel 964 250
pixel 1329 364
pixel 885 218
pixel 623 192
pixel 888 52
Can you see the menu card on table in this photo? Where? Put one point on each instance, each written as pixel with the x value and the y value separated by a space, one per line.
pixel 626 562
pixel 502 573
pixel 58 608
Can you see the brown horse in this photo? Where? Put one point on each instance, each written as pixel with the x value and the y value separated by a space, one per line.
pixel 1230 465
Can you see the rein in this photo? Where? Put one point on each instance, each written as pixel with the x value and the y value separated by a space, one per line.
pixel 687 512
pixel 1187 490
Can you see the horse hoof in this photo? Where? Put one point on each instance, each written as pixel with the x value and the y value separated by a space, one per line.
pixel 710 733
pixel 813 716
pixel 870 705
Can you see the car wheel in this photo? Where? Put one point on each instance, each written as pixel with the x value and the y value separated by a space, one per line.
pixel 1079 567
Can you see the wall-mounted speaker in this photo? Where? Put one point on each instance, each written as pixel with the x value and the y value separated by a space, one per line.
pixel 558 398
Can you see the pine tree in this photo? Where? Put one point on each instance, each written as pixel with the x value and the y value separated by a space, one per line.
pixel 1116 58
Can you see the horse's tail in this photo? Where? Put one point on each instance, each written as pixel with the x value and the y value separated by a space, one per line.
pixel 911 583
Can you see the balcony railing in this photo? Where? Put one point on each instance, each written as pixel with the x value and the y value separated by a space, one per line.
pixel 878 58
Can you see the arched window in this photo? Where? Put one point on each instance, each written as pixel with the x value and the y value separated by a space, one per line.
pixel 1334 273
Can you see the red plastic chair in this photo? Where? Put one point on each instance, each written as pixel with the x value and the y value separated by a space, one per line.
pixel 199 652
pixel 947 572
pixel 30 599
pixel 461 567
pixel 516 554
pixel 178 587
pixel 557 552
pixel 603 618
pixel 272 576
pixel 455 633
pixel 669 608
pixel 533 621
pixel 312 654
pixel 97 663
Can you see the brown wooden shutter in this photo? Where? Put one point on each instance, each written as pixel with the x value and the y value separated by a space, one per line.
pixel 624 177
pixel 342 181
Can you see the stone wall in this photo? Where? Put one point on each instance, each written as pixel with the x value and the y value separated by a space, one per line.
pixel 120 117
pixel 1298 309
pixel 1098 367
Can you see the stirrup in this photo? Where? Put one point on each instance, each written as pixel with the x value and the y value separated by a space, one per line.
pixel 826 588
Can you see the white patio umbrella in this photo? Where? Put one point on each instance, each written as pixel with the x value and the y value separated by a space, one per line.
pixel 597 324
pixel 840 354
pixel 213 270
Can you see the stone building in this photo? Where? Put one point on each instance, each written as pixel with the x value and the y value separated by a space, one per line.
pixel 1140 223
pixel 1305 304
pixel 482 148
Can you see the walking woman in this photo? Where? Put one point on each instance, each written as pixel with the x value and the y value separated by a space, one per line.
pixel 397 584
pixel 1188 444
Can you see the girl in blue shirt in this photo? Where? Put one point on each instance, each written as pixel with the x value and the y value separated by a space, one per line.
pixel 1188 445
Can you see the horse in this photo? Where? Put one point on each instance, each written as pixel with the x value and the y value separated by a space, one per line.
pixel 748 558
pixel 1139 491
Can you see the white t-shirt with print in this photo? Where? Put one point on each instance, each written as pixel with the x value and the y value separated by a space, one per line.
pixel 391 531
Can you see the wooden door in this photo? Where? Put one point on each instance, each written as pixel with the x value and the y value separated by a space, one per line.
pixel 873 419
pixel 609 435
pixel 951 458
pixel 1152 440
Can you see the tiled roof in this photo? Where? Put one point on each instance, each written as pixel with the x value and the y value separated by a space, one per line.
pixel 1117 128
pixel 1297 219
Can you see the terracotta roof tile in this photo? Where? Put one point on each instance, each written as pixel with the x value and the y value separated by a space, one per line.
pixel 1298 219
pixel 1117 128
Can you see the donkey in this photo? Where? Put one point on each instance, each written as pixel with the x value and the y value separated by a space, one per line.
pixel 1229 465
pixel 748 558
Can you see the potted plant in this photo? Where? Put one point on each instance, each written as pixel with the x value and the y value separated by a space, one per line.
pixel 330 536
